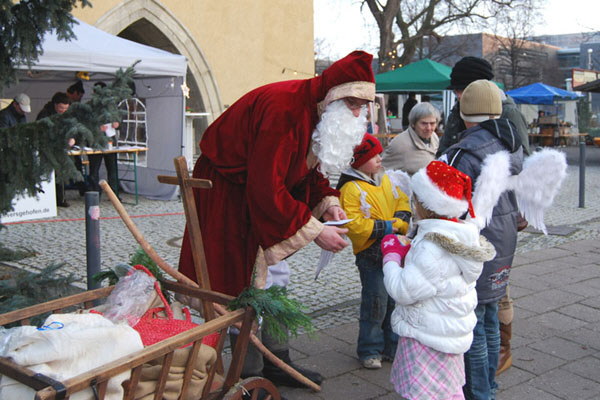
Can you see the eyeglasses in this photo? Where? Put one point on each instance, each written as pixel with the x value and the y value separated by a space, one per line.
pixel 354 103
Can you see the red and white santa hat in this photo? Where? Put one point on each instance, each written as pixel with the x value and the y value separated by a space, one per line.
pixel 443 189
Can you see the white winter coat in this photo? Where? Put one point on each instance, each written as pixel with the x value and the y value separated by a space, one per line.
pixel 435 291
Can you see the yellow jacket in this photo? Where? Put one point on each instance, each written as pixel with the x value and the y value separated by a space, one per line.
pixel 366 203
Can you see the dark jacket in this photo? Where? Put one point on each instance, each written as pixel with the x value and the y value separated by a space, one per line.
pixel 467 156
pixel 455 125
pixel 47 111
pixel 10 117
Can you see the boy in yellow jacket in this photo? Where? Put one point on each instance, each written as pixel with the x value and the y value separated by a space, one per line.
pixel 377 207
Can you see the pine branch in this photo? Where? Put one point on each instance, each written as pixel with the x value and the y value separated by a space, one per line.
pixel 23 25
pixel 279 312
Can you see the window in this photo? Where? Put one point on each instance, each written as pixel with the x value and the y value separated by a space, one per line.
pixel 133 130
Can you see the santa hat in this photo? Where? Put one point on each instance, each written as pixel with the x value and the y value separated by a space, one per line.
pixel 352 76
pixel 443 189
pixel 367 149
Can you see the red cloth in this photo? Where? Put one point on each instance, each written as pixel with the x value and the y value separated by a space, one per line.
pixel 255 155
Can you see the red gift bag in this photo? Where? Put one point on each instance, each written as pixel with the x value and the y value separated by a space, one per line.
pixel 154 328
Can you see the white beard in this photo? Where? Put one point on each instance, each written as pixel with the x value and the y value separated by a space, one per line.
pixel 336 135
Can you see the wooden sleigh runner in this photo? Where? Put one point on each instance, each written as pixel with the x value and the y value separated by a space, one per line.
pixel 218 383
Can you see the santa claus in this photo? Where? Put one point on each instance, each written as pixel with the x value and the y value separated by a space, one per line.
pixel 268 156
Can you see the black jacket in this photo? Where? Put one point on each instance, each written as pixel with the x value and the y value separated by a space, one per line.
pixel 10 117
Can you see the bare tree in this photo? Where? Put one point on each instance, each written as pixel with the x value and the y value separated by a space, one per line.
pixel 403 24
pixel 517 61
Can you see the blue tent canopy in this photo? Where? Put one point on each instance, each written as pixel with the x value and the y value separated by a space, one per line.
pixel 540 93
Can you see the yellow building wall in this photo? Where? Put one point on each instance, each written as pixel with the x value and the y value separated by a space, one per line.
pixel 246 43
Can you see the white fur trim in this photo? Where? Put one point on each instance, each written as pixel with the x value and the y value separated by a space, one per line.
pixel 435 199
pixel 359 89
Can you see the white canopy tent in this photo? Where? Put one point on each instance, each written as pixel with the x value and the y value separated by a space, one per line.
pixel 158 82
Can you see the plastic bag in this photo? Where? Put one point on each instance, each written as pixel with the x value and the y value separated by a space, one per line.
pixel 131 297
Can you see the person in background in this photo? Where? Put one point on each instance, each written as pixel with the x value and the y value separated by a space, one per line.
pixel 408 105
pixel 15 112
pixel 487 133
pixel 465 71
pixel 58 105
pixel 414 148
pixel 75 92
pixel 377 207
pixel 110 159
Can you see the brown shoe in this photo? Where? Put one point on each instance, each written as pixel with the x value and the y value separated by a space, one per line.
pixel 505 356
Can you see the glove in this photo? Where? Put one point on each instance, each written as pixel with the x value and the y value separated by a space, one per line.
pixel 393 250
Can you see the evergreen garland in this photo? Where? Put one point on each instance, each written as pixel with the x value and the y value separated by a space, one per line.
pixel 30 152
pixel 23 25
pixel 278 312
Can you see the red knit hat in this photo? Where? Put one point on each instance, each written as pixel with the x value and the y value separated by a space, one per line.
pixel 443 189
pixel 367 149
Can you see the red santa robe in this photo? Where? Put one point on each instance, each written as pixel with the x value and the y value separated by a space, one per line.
pixel 265 193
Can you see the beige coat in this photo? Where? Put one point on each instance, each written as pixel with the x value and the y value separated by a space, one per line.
pixel 407 152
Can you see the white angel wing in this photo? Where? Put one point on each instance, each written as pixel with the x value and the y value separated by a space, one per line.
pixel 538 183
pixel 400 179
pixel 491 183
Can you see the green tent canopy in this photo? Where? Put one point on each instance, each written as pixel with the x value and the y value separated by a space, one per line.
pixel 421 76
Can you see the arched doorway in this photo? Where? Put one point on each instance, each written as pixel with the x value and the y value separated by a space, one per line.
pixel 138 20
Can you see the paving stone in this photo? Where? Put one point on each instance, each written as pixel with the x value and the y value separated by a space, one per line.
pixel 525 391
pixel 535 362
pixel 592 302
pixel 516 292
pixel 586 367
pixel 548 254
pixel 548 300
pixel 560 347
pixel 330 363
pixel 379 377
pixel 512 377
pixel 582 312
pixel 585 288
pixel 347 332
pixel 350 386
pixel 317 344
pixel 567 385
pixel 556 322
pixel 585 337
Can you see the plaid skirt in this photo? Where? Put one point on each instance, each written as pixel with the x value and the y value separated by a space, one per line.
pixel 422 373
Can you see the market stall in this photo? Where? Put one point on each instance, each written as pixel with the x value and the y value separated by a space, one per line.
pixel 549 130
pixel 158 122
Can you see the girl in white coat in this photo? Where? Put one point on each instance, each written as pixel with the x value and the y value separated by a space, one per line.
pixel 433 285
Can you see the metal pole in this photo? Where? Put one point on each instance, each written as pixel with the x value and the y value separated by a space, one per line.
pixel 581 173
pixel 92 237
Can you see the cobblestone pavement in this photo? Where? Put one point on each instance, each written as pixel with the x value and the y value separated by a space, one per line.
pixel 333 299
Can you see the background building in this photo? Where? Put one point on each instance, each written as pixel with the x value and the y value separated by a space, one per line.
pixel 231 47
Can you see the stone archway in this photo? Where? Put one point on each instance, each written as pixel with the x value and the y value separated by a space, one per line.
pixel 171 35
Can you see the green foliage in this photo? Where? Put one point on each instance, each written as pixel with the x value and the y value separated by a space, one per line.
pixel 7 254
pixel 23 25
pixel 279 312
pixel 138 258
pixel 30 288
pixel 30 152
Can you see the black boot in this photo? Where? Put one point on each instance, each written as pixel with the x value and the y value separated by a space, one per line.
pixel 280 377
